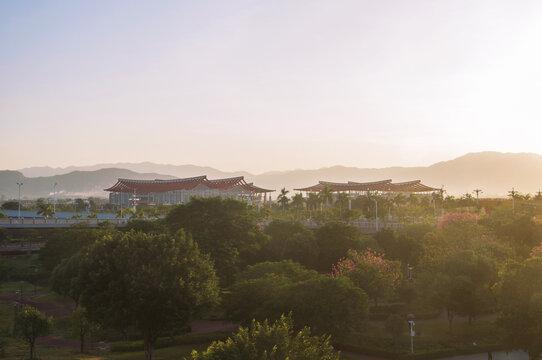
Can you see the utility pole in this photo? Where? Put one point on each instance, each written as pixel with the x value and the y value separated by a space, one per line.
pixel 20 184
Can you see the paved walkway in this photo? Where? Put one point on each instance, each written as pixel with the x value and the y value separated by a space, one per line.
pixel 501 355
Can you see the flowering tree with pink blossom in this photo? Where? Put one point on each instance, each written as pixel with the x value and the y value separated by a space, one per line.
pixel 458 219
pixel 370 271
pixel 536 251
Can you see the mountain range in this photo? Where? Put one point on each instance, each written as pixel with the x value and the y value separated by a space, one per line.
pixel 493 172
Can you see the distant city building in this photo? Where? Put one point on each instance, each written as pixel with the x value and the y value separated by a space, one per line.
pixel 176 191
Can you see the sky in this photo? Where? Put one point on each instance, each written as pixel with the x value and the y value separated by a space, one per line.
pixel 268 85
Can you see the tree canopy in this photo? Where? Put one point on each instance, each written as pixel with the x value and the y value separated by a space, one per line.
pixel 290 240
pixel 521 305
pixel 226 229
pixel 154 283
pixel 277 341
pixel 30 324
pixel 325 304
pixel 334 240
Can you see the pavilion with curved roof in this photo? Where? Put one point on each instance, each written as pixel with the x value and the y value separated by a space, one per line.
pixel 382 186
pixel 176 191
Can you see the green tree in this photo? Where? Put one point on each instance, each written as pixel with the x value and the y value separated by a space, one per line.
pixel 298 201
pixel 325 304
pixel 313 201
pixel 81 325
pixel 342 202
pixel 79 205
pixel 326 195
pixel 65 276
pixel 30 324
pixel 64 243
pixel 368 270
pixel 334 240
pixel 270 342
pixel 154 283
pixel 11 205
pixel 520 297
pixel 5 235
pixel 146 226
pixel 283 199
pixel 462 283
pixel 46 210
pixel 290 240
pixel 400 246
pixel 226 229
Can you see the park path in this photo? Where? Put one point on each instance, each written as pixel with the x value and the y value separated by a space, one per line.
pixel 49 309
pixel 500 355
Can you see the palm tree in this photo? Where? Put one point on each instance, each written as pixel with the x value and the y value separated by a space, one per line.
pixel 342 200
pixel 326 195
pixel 283 199
pixel 413 199
pixel 45 209
pixel 297 203
pixel 313 201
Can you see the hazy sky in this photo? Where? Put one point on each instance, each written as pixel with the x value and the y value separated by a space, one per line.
pixel 268 85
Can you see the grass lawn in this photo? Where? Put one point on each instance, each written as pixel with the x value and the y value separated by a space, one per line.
pixel 433 339
pixel 10 288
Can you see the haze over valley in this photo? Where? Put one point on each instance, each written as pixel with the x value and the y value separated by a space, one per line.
pixel 495 173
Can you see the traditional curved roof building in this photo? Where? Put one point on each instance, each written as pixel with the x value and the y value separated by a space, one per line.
pixel 177 191
pixel 385 186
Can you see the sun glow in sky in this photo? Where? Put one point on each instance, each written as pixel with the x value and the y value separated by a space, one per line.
pixel 268 85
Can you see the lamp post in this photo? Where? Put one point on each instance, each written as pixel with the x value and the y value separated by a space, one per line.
pixel 54 198
pixel 411 323
pixel 513 194
pixel 477 192
pixel 134 199
pixel 376 220
pixel 20 184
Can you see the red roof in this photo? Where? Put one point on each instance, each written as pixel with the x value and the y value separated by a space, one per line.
pixel 157 186
pixel 382 185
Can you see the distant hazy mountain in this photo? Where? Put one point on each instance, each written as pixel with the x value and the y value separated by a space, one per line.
pixel 76 183
pixel 495 173
pixel 144 167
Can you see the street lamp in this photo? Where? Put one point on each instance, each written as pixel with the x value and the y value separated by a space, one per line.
pixel 477 192
pixel 376 204
pixel 513 194
pixel 20 184
pixel 134 199
pixel 54 198
pixel 411 323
